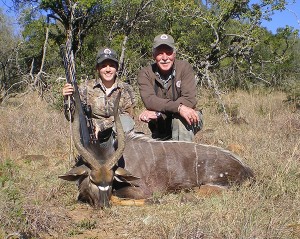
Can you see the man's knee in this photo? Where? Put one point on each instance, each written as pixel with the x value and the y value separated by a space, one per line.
pixel 182 131
pixel 199 125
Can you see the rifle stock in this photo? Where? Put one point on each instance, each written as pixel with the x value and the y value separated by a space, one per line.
pixel 69 65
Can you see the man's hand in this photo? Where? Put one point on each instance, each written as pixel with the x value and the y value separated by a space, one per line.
pixel 147 115
pixel 68 89
pixel 189 114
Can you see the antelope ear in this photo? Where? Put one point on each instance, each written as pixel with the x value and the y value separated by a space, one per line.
pixel 75 173
pixel 123 175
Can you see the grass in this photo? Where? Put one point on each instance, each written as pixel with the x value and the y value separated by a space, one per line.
pixel 34 150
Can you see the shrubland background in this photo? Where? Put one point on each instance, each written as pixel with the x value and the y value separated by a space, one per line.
pixel 264 132
pixel 248 89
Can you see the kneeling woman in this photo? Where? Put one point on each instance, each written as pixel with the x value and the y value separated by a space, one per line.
pixel 98 96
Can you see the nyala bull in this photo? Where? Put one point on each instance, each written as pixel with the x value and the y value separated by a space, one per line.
pixel 141 166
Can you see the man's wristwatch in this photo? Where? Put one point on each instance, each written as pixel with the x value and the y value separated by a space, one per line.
pixel 158 114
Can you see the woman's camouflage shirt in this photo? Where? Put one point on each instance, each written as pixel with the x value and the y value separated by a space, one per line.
pixel 92 93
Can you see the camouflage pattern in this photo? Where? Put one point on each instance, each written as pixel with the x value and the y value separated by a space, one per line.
pixel 93 94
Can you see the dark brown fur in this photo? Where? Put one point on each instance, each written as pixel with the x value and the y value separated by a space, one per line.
pixel 148 166
pixel 164 166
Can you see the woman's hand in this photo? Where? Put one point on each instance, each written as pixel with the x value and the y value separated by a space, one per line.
pixel 68 89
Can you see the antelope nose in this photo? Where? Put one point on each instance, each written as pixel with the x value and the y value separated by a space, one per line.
pixel 104 196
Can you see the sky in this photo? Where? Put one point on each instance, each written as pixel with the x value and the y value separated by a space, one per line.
pixel 291 16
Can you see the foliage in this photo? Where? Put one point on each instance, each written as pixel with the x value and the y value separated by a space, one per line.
pixel 293 93
pixel 10 193
pixel 223 39
pixel 9 44
pixel 34 201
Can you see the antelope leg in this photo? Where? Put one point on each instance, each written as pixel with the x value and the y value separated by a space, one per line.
pixel 128 202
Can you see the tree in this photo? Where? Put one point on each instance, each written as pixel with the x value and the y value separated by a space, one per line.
pixel 124 26
pixel 222 39
pixel 9 44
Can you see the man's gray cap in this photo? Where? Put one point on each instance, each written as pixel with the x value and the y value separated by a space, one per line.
pixel 106 54
pixel 163 39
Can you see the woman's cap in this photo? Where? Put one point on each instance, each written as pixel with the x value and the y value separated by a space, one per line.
pixel 106 54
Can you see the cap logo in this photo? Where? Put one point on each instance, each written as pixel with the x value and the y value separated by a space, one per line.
pixel 164 37
pixel 107 51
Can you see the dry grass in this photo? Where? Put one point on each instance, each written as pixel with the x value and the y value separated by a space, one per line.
pixel 34 150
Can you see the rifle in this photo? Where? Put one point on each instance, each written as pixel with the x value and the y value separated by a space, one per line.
pixel 69 65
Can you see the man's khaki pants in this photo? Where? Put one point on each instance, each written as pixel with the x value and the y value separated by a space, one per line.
pixel 174 127
pixel 182 131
